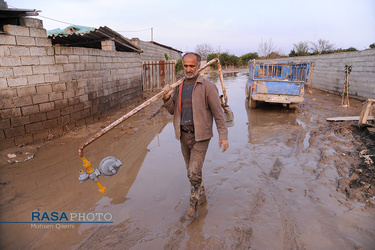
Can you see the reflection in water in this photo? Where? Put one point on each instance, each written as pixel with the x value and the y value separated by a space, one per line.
pixel 269 117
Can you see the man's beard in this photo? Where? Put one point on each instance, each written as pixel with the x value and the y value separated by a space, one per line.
pixel 193 75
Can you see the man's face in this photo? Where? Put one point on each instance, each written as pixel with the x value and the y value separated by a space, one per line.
pixel 190 66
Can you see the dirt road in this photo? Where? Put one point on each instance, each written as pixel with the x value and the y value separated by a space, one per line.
pixel 284 183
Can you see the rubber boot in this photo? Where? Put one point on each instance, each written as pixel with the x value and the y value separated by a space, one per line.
pixel 190 213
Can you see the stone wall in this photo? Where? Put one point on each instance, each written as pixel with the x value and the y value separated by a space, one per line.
pixel 329 72
pixel 45 89
pixel 155 52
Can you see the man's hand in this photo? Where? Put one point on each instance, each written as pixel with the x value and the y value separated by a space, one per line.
pixel 167 92
pixel 224 144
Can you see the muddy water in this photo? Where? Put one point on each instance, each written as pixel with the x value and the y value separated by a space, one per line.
pixel 274 188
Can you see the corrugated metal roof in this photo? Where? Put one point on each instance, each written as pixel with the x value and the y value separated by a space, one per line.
pixel 165 46
pixel 92 38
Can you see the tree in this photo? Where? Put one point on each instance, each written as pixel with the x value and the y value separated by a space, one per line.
pixel 247 57
pixel 179 66
pixel 266 48
pixel 224 59
pixel 372 46
pixel 301 48
pixel 212 56
pixel 204 50
pixel 322 47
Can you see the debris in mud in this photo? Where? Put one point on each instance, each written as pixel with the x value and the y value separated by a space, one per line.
pixel 360 185
pixel 19 156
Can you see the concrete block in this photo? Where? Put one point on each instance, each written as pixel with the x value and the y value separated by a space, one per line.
pixel 48 124
pixel 53 114
pixel 80 66
pixel 69 67
pixel 20 51
pixel 6 72
pixel 66 76
pixel 38 32
pixel 18 81
pixel 38 117
pixel 4 123
pixel 35 79
pixel 7 40
pixel 61 59
pixel 73 59
pixel 76 116
pixel 22 101
pixel 72 85
pixel 66 50
pixel 25 41
pixel 40 135
pixel 22 71
pixel 26 91
pixel 78 51
pixel 59 87
pixel 44 107
pixel 59 104
pixel 16 30
pixel 6 103
pixel 38 70
pixel 54 96
pixel 29 110
pixel 43 42
pixel 56 69
pixel 38 51
pixel 69 94
pixel 67 110
pixel 15 131
pixel 4 51
pixel 3 83
pixel 47 60
pixel 41 98
pixel 73 101
pixel 43 89
pixel 80 91
pixel 10 61
pixel 29 60
pixel 8 93
pixel 19 121
pixel 31 22
pixel 8 113
pixel 51 78
pixel 34 127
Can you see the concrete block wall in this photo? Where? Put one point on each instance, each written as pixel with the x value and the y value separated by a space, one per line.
pixel 46 89
pixel 154 52
pixel 329 72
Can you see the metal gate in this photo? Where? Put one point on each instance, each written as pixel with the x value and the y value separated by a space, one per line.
pixel 156 74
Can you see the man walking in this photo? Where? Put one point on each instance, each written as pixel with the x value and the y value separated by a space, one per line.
pixel 194 105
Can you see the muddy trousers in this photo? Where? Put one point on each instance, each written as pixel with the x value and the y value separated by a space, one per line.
pixel 194 154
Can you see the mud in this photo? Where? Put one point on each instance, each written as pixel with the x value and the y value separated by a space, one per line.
pixel 290 180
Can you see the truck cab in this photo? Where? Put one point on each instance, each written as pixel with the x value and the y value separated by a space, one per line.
pixel 276 82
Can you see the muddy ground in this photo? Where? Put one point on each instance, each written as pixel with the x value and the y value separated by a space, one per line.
pixel 290 180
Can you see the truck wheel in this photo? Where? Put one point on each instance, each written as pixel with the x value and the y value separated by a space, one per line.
pixel 292 106
pixel 246 92
pixel 252 103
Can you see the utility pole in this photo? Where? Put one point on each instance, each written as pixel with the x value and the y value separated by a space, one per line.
pixel 152 34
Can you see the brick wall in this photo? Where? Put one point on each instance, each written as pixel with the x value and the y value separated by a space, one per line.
pixel 45 89
pixel 329 72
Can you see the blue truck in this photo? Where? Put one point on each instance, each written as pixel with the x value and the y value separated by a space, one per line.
pixel 276 82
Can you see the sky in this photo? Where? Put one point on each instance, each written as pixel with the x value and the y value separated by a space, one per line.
pixel 234 26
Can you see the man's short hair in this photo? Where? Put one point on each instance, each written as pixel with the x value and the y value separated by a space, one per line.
pixel 199 58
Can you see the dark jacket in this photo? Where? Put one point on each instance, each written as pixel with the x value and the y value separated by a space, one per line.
pixel 206 106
